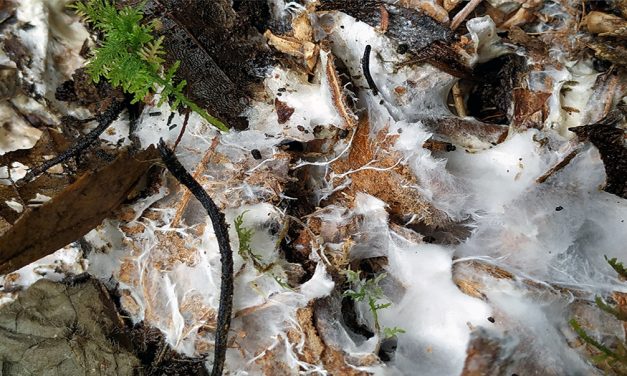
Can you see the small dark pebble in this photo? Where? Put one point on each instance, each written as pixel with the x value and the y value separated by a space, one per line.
pixel 173 126
pixel 388 348
pixel 156 113
pixel 282 90
pixel 559 208
pixel 451 147
pixel 381 102
pixel 402 48
pixel 256 153
pixel 343 133
pixel 491 319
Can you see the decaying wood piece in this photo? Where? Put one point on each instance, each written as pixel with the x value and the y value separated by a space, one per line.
pixel 299 44
pixel 464 13
pixel 605 24
pixel 74 212
pixel 610 140
pixel 220 59
pixel 386 179
pixel 486 355
pixel 468 133
pixel 407 26
pixel 433 9
pixel 337 93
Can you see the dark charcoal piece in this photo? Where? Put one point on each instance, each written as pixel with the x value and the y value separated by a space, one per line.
pixel 221 52
pixel 256 12
pixel 292 145
pixel 388 348
pixel 610 142
pixel 409 27
pixel 66 92
pixel 490 99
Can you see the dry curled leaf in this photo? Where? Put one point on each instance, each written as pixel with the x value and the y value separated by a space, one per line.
pixel 73 212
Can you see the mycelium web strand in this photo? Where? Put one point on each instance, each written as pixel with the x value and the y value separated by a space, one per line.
pixel 104 120
pixel 221 230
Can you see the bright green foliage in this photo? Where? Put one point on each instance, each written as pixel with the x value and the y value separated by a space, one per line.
pixel 391 332
pixel 369 290
pixel 614 359
pixel 617 266
pixel 130 57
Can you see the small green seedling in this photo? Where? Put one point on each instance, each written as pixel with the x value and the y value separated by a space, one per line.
pixel 245 236
pixel 369 290
pixel 131 58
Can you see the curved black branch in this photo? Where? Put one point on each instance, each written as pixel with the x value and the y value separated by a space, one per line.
pixel 221 230
pixel 365 66
pixel 104 120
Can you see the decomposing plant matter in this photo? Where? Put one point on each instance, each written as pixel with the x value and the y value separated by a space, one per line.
pixel 410 187
pixel 129 56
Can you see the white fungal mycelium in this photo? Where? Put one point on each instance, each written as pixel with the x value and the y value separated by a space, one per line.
pixel 548 238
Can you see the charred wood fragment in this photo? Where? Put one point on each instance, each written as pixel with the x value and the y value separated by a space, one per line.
pixel 82 143
pixel 407 26
pixel 365 65
pixel 221 230
pixel 610 140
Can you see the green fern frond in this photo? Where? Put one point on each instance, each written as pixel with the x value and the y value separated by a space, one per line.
pixel 617 266
pixel 152 51
pixel 131 58
pixel 370 291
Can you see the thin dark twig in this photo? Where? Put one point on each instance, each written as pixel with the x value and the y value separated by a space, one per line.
pixel 82 143
pixel 180 137
pixel 365 66
pixel 563 163
pixel 221 230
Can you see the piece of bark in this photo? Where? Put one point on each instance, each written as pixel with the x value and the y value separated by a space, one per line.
pixel 222 55
pixel 467 132
pixel 388 180
pixel 610 140
pixel 491 99
pixel 529 108
pixel 486 354
pixel 73 212
pixel 406 26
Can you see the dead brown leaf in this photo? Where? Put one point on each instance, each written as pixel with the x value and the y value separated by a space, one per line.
pixel 73 212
